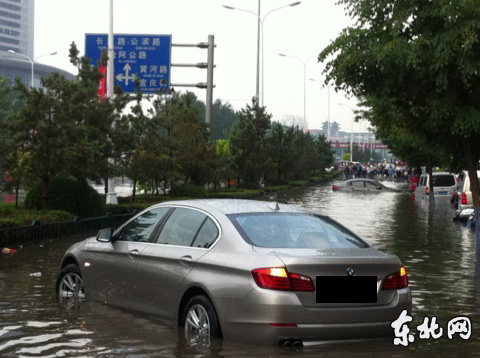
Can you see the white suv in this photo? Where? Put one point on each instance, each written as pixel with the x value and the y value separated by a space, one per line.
pixel 444 185
pixel 464 197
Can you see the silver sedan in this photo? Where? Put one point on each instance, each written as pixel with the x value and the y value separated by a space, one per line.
pixel 249 270
pixel 363 185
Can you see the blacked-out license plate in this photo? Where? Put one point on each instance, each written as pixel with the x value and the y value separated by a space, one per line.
pixel 346 289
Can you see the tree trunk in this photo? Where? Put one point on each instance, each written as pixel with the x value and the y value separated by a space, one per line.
pixel 106 184
pixel 17 187
pixel 46 193
pixel 134 190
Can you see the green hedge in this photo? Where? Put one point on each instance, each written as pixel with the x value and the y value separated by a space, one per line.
pixel 127 208
pixel 236 193
pixel 188 190
pixel 25 217
pixel 70 195
pixel 6 209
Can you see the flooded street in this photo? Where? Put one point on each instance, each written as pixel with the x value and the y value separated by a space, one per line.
pixel 438 253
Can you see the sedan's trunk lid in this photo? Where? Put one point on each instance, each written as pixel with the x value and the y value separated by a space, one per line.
pixel 337 263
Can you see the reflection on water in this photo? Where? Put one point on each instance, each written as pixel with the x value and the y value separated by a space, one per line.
pixel 438 253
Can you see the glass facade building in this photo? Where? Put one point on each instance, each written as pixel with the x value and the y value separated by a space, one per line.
pixel 16 26
pixel 16 44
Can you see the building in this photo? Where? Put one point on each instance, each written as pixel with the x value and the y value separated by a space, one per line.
pixel 16 44
pixel 294 121
pixel 16 26
pixel 340 140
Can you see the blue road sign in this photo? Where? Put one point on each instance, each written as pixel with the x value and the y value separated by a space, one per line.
pixel 144 56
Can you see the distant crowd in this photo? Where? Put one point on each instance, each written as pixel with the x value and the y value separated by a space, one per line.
pixel 397 171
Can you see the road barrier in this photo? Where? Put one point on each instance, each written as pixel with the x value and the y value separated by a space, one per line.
pixel 37 232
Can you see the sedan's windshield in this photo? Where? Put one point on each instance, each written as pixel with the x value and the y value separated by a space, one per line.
pixel 280 230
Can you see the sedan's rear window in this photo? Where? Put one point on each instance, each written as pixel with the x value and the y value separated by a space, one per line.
pixel 285 230
pixel 443 180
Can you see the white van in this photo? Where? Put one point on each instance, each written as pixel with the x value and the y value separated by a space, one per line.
pixel 444 185
pixel 465 200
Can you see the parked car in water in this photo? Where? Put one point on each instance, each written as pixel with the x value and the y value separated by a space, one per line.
pixel 443 183
pixel 245 270
pixel 462 196
pixel 364 185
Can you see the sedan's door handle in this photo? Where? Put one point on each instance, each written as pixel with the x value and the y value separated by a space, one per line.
pixel 133 253
pixel 186 260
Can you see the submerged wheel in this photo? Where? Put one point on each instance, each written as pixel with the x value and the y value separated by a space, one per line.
pixel 200 321
pixel 70 283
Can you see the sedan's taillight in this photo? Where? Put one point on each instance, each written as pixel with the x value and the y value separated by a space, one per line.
pixel 464 198
pixel 426 190
pixel 396 280
pixel 278 278
pixel 335 187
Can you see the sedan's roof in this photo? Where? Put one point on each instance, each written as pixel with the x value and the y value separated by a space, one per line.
pixel 364 179
pixel 237 206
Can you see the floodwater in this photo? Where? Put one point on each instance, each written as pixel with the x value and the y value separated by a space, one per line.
pixel 438 253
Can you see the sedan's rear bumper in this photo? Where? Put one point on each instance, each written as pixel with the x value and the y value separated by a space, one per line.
pixel 252 321
pixel 306 333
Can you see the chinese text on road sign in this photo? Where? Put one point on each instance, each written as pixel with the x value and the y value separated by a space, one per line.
pixel 146 57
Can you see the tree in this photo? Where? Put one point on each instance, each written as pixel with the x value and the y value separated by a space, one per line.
pixel 247 143
pixel 64 125
pixel 223 119
pixel 223 166
pixel 279 150
pixel 417 63
pixel 12 158
pixel 325 153
pixel 305 154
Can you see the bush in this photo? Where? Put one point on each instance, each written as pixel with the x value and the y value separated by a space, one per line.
pixel 121 209
pixel 237 194
pixel 143 198
pixel 70 195
pixel 25 217
pixel 6 209
pixel 188 191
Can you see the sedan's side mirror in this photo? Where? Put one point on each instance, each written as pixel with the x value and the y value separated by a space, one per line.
pixel 105 235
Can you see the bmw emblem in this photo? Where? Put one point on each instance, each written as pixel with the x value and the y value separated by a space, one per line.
pixel 350 271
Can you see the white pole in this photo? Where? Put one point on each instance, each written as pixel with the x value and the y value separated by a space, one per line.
pixel 31 83
pixel 260 28
pixel 304 96
pixel 110 72
pixel 111 195
pixel 257 87
pixel 328 118
pixel 209 99
pixel 351 140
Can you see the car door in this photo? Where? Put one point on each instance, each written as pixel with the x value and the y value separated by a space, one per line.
pixel 371 187
pixel 185 237
pixel 358 185
pixel 112 264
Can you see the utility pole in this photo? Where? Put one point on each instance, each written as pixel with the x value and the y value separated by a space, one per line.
pixel 111 195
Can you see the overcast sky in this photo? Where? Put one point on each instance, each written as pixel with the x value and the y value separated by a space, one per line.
pixel 301 31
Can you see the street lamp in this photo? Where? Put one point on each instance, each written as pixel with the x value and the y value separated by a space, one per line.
pixel 304 82
pixel 260 25
pixel 32 62
pixel 351 133
pixel 328 113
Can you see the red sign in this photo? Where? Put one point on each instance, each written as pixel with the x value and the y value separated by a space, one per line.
pixel 102 85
